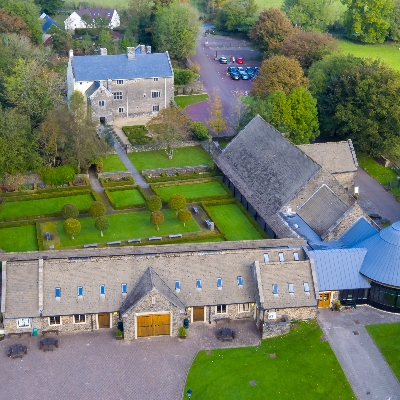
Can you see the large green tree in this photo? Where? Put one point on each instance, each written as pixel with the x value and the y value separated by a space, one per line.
pixel 369 20
pixel 312 15
pixel 394 31
pixel 237 15
pixel 50 6
pixel 175 29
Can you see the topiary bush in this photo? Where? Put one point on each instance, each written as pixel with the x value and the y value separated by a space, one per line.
pixel 184 216
pixel 177 202
pixel 69 211
pixel 72 227
pixel 200 130
pixel 157 218
pixel 59 175
pixel 153 203
pixel 101 224
pixel 97 209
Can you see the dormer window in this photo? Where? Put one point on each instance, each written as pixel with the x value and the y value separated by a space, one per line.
pixel 291 288
pixel 178 286
pixel 281 257
pixel 275 289
pixel 58 292
pixel 306 288
pixel 296 256
pixel 240 281
pixel 266 257
pixel 198 284
pixel 219 283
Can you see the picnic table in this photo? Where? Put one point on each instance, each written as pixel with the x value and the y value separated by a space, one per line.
pixel 16 350
pixel 226 334
pixel 47 343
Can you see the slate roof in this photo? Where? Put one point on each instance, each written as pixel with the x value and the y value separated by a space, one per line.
pixel 149 281
pixel 322 210
pixel 92 88
pixel 382 262
pixel 283 273
pixel 100 68
pixel 96 12
pixel 338 269
pixel 358 232
pixel 266 168
pixel 335 157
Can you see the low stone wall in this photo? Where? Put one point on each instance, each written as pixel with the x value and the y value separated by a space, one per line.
pixel 232 312
pixel 114 175
pixel 158 146
pixel 294 314
pixel 195 87
pixel 278 328
pixel 156 172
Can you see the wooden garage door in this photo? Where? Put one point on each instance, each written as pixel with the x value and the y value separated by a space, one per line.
pixel 104 320
pixel 198 314
pixel 153 325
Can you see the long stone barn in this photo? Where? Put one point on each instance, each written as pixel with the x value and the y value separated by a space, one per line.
pixel 152 289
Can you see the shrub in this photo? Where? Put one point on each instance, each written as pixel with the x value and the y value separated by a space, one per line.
pixel 177 202
pixel 118 333
pixel 157 218
pixel 154 203
pixel 200 130
pixel 183 76
pixel 101 224
pixel 69 211
pixel 59 175
pixel 182 331
pixel 72 227
pixel 97 209
pixel 12 182
pixel 184 216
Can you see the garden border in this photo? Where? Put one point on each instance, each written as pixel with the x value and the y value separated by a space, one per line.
pixel 123 188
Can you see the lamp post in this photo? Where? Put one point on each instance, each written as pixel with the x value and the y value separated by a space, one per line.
pixel 189 393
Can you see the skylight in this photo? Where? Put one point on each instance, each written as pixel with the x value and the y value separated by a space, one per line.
pixel 177 286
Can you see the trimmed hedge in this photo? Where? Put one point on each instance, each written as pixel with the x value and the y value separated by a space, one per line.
pixel 129 181
pixel 137 134
pixel 15 224
pixel 39 236
pixel 47 195
pixel 255 224
pixel 43 191
pixel 180 177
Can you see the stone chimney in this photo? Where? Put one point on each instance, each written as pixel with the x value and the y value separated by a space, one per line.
pixel 103 51
pixel 71 53
pixel 109 84
pixel 142 49
pixel 130 53
pixel 148 49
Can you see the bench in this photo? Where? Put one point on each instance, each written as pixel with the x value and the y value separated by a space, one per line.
pixel 155 238
pixel 86 246
pixel 114 243
pixel 134 240
pixel 16 350
pixel 196 210
pixel 19 334
pixel 178 235
pixel 50 331
pixel 227 319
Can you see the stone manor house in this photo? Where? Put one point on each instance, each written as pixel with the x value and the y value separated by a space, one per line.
pixel 124 85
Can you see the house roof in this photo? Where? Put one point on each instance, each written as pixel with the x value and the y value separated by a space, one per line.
pixel 283 274
pixel 96 67
pixel 48 23
pixel 335 157
pixel 150 280
pixel 266 168
pixel 92 88
pixel 358 232
pixel 338 269
pixel 322 210
pixel 382 262
pixel 96 12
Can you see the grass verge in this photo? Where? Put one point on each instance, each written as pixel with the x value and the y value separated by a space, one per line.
pixel 122 198
pixel 184 101
pixel 113 163
pixel 304 368
pixel 19 238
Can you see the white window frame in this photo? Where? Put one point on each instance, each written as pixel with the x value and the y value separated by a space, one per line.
pixel 291 288
pixel 23 322
pixel 155 94
pixel 122 288
pixel 266 257
pixel 120 110
pixel 55 292
pixel 102 103
pixel 221 309
pixel 118 95
pixel 296 256
pixel 281 257
pixel 120 81
pixel 55 316
pixel 80 321
pixel 242 307
pixel 306 287
pixel 156 108
pixel 275 286
pixel 153 300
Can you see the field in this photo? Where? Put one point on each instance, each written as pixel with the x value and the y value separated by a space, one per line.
pixel 233 222
pixel 113 163
pixel 19 238
pixel 192 190
pixel 126 197
pixel 183 157
pixel 43 206
pixel 184 101
pixel 126 226
pixel 386 337
pixel 380 173
pixel 118 4
pixel 304 368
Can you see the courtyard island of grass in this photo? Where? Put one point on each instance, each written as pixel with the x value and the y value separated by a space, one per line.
pixel 301 367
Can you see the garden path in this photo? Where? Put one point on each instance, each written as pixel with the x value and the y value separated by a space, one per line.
pixel 94 182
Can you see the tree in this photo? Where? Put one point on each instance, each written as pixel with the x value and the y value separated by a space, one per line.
pixel 394 31
pixel 97 209
pixel 13 182
pixel 368 21
pixel 237 15
pixel 153 203
pixel 69 211
pixel 278 73
pixel 184 216
pixel 308 47
pixel 105 40
pixel 270 30
pixel 177 202
pixel 58 176
pixel 312 15
pixel 13 24
pixel 170 126
pixel 101 224
pixel 50 6
pixel 157 218
pixel 72 227
pixel 200 130
pixel 175 30
pixel 216 122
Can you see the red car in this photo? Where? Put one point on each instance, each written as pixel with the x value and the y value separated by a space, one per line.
pixel 240 60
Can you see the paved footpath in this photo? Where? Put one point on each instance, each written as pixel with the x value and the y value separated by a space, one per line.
pixel 362 362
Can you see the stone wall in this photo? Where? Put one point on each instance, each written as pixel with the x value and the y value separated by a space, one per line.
pixel 294 314
pixel 157 146
pixel 278 328
pixel 113 175
pixel 212 148
pixel 156 172
pixel 146 305
pixel 232 312
pixel 347 180
pixel 195 87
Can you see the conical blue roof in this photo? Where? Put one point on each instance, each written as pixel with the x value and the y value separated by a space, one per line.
pixel 382 262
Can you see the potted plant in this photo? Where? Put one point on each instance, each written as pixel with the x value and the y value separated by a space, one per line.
pixel 182 332
pixel 337 306
pixel 118 335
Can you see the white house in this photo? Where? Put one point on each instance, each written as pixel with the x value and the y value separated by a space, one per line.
pixel 75 19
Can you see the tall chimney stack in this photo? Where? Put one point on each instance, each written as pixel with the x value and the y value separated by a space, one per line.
pixel 130 53
pixel 142 49
pixel 71 53
pixel 148 49
pixel 103 51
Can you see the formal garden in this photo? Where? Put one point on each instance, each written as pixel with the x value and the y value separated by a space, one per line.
pixel 298 365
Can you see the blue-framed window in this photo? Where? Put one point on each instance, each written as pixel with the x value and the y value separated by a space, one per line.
pixel 102 289
pixel 177 285
pixel 275 288
pixel 240 280
pixel 198 283
pixel 219 282
pixel 58 292
pixel 80 291
pixel 123 288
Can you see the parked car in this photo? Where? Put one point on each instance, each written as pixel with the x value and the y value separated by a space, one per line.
pixel 256 72
pixel 249 70
pixel 235 76
pixel 245 76
pixel 240 70
pixel 239 60
pixel 223 60
pixel 232 70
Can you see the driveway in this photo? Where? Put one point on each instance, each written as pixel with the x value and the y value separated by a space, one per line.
pixel 362 362
pixel 94 365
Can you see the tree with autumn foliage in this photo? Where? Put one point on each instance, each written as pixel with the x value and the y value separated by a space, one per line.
pixel 216 122
pixel 13 24
pixel 184 215
pixel 157 218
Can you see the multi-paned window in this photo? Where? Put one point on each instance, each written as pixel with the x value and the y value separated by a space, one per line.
pixel 221 309
pixel 24 322
pixel 155 79
pixel 156 108
pixel 245 307
pixel 55 320
pixel 58 292
pixel 79 318
pixel 102 103
pixel 120 82
pixel 120 109
pixel 155 94
pixel 117 95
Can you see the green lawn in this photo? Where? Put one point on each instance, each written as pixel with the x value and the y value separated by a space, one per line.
pixel 304 368
pixel 126 197
pixel 386 337
pixel 43 206
pixel 192 190
pixel 113 163
pixel 380 173
pixel 126 226
pixel 183 157
pixel 19 238
pixel 233 222
pixel 118 4
pixel 184 101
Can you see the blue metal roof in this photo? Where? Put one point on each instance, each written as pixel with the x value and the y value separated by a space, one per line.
pixel 95 68
pixel 359 231
pixel 382 262
pixel 338 269
pixel 48 23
